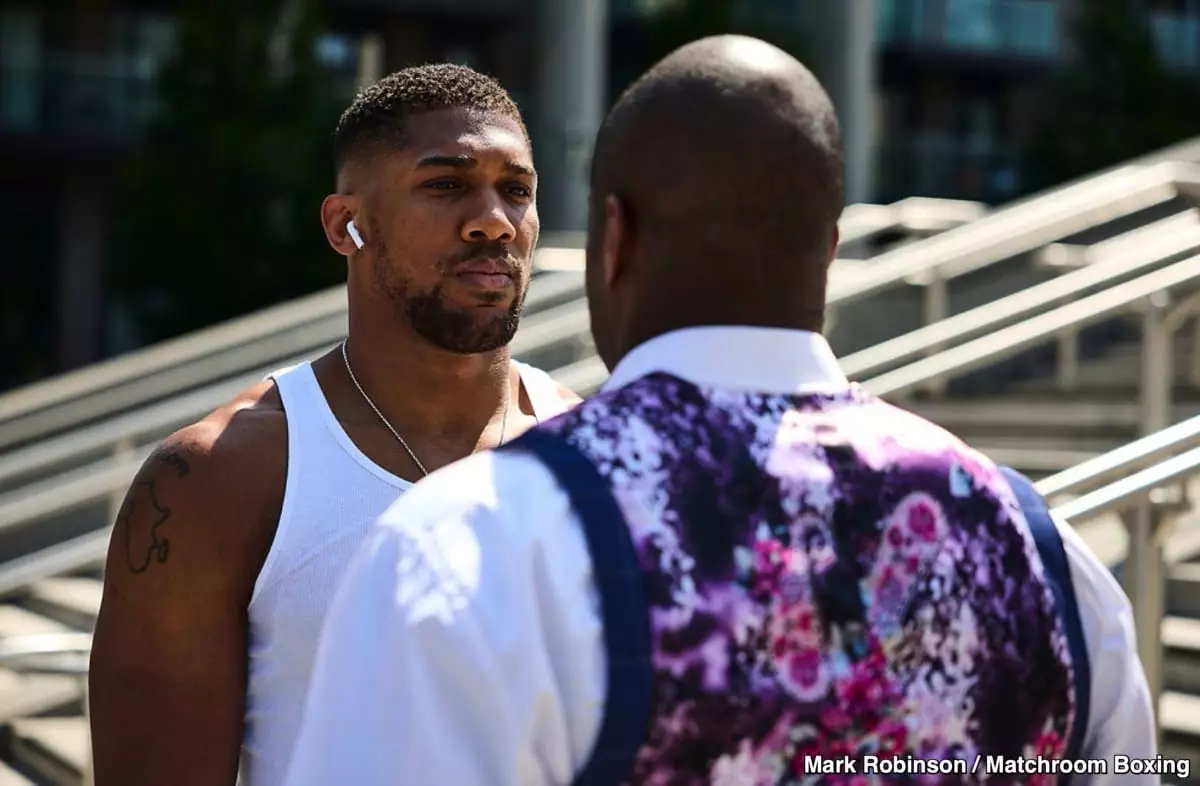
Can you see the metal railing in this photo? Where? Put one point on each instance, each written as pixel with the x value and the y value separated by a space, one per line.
pixel 123 434
pixel 1108 263
pixel 914 217
pixel 1111 466
pixel 247 343
pixel 1148 290
pixel 1145 292
pixel 263 339
pixel 1026 226
pixel 1150 505
pixel 1007 233
pixel 1019 229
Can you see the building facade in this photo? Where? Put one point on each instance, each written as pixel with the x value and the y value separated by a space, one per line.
pixel 936 97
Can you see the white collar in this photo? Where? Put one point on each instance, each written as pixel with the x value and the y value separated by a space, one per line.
pixel 752 359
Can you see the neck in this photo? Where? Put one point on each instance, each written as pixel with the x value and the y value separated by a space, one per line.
pixel 414 381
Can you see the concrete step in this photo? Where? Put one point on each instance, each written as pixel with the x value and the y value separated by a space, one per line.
pixel 1183 590
pixel 1181 654
pixel 1179 719
pixel 1034 462
pixel 54 750
pixel 1111 371
pixel 1039 413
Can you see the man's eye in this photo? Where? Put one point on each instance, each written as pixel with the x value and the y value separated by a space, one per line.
pixel 442 185
pixel 522 191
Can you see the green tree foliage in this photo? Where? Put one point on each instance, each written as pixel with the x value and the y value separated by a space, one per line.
pixel 219 208
pixel 1116 100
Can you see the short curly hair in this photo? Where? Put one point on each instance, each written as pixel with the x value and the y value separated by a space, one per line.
pixel 377 118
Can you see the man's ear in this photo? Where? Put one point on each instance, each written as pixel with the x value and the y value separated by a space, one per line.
pixel 618 234
pixel 337 210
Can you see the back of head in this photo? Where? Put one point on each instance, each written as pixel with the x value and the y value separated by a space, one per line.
pixel 726 161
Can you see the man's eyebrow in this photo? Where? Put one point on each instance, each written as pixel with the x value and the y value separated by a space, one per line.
pixel 522 170
pixel 469 162
pixel 457 162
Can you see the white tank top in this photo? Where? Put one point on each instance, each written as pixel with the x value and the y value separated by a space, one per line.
pixel 333 495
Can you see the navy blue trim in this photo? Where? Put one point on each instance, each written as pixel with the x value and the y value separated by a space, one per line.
pixel 629 700
pixel 1058 573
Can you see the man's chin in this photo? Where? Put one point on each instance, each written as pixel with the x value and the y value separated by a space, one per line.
pixel 486 338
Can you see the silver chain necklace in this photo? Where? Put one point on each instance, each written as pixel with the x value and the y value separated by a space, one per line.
pixel 391 428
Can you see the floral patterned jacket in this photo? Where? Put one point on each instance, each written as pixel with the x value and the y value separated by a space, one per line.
pixel 827 578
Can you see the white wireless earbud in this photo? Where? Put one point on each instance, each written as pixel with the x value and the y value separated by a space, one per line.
pixel 353 231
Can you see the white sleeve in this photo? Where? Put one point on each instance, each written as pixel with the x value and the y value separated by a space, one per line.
pixel 465 645
pixel 1121 716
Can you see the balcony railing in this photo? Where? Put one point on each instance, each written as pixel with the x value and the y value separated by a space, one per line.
pixel 1025 28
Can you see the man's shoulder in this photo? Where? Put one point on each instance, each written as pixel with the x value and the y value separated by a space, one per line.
pixel 207 498
pixel 501 489
pixel 235 458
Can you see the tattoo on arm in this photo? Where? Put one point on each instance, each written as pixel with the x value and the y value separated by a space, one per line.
pixel 143 516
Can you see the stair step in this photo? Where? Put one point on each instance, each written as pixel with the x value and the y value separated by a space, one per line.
pixel 72 601
pixel 25 695
pixel 57 750
pixel 1181 654
pixel 1033 461
pixel 1183 590
pixel 1179 723
pixel 16 621
pixel 1060 413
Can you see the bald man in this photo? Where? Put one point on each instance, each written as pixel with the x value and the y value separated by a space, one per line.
pixel 730 566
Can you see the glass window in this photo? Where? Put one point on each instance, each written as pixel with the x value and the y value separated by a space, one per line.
pixel 20 73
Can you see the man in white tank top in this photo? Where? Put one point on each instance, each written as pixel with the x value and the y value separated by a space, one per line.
pixel 235 533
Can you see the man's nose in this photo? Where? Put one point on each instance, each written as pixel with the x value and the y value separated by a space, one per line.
pixel 490 222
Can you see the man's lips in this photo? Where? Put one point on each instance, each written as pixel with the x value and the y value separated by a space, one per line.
pixel 486 273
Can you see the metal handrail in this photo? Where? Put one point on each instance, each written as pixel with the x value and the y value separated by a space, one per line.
pixel 276 321
pixel 542 330
pixel 1144 566
pixel 589 373
pixel 1009 341
pixel 204 356
pixel 281 323
pixel 95 484
pixel 918 216
pixel 79 553
pixel 37 407
pixel 1117 463
pixel 1024 227
pixel 1128 491
pixel 1109 261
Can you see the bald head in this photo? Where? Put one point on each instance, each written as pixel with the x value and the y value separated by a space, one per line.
pixel 727 129
pixel 724 163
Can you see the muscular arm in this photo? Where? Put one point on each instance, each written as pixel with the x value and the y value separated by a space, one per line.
pixel 168 669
